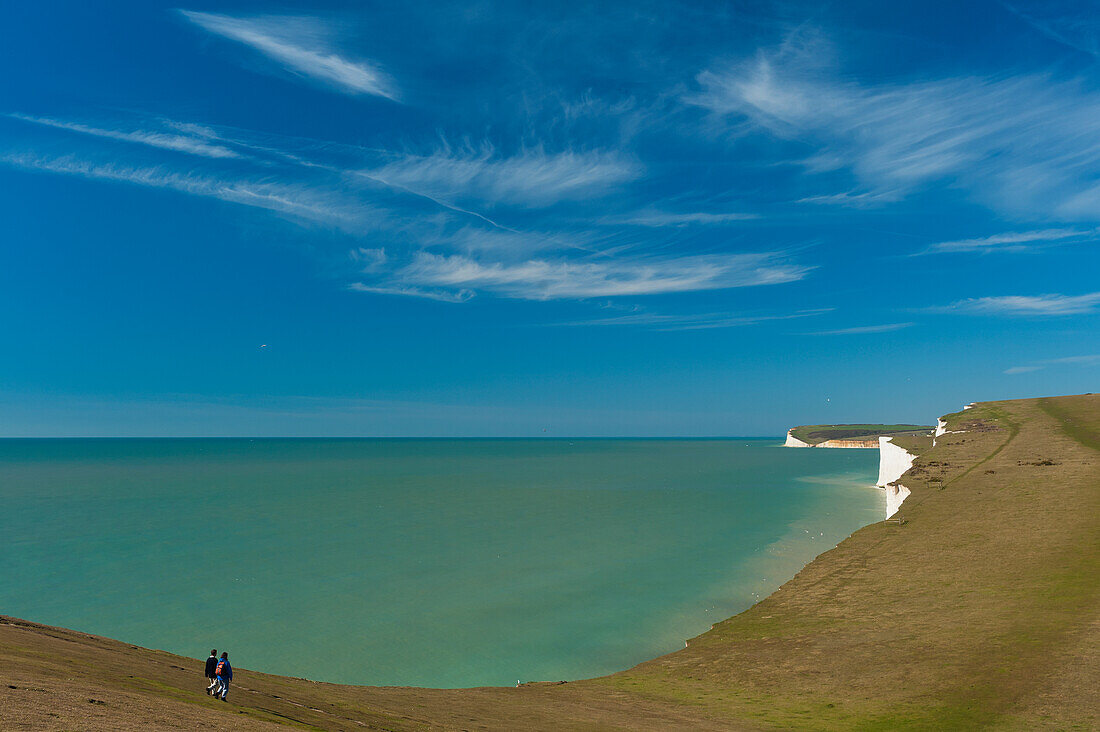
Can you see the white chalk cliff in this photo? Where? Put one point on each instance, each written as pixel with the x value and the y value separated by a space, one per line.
pixel 941 425
pixel 849 443
pixel 793 441
pixel 893 461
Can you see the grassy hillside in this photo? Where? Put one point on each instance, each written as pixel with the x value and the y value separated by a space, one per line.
pixel 914 443
pixel 815 433
pixel 981 610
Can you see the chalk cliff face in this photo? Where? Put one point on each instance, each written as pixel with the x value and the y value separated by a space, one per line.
pixel 941 425
pixel 793 441
pixel 893 461
pixel 895 496
pixel 870 442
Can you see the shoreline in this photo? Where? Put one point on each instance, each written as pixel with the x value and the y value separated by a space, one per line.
pixel 667 590
pixel 771 567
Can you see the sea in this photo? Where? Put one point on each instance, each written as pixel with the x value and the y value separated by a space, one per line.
pixel 440 563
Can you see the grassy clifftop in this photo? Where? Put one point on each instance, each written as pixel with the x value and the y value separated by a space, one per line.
pixel 979 611
pixel 814 434
pixel 914 443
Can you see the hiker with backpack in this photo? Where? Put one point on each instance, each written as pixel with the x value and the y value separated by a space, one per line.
pixel 224 672
pixel 211 669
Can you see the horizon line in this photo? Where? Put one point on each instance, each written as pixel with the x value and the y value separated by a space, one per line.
pixel 390 437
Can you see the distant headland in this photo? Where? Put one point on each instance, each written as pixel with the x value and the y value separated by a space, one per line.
pixel 851 435
pixel 898 446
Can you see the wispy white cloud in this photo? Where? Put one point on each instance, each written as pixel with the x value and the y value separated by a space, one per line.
pixel 853 199
pixel 502 242
pixel 1026 305
pixel 1071 23
pixel 1092 359
pixel 429 257
pixel 1026 144
pixel 1022 369
pixel 697 321
pixel 442 256
pixel 407 291
pixel 550 279
pixel 1089 360
pixel 192 129
pixel 866 329
pixel 301 46
pixel 1016 241
pixel 165 141
pixel 532 178
pixel 295 200
pixel 666 218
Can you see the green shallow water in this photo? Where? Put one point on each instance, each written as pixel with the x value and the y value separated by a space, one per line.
pixel 426 562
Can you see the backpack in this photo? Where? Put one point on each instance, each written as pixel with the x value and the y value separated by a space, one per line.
pixel 222 665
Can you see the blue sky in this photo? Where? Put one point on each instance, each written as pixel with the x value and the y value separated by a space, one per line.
pixel 555 219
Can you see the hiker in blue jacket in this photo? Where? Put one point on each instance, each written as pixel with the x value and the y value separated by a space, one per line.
pixel 225 674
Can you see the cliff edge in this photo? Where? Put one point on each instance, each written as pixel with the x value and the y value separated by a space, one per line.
pixel 894 459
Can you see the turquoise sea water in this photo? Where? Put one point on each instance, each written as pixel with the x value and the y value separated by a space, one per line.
pixel 426 562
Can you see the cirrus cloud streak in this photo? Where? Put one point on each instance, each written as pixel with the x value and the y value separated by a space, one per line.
pixel 1050 305
pixel 300 46
pixel 1026 144
pixel 552 279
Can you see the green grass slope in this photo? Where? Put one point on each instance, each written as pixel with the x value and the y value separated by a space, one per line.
pixel 982 610
pixel 914 443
